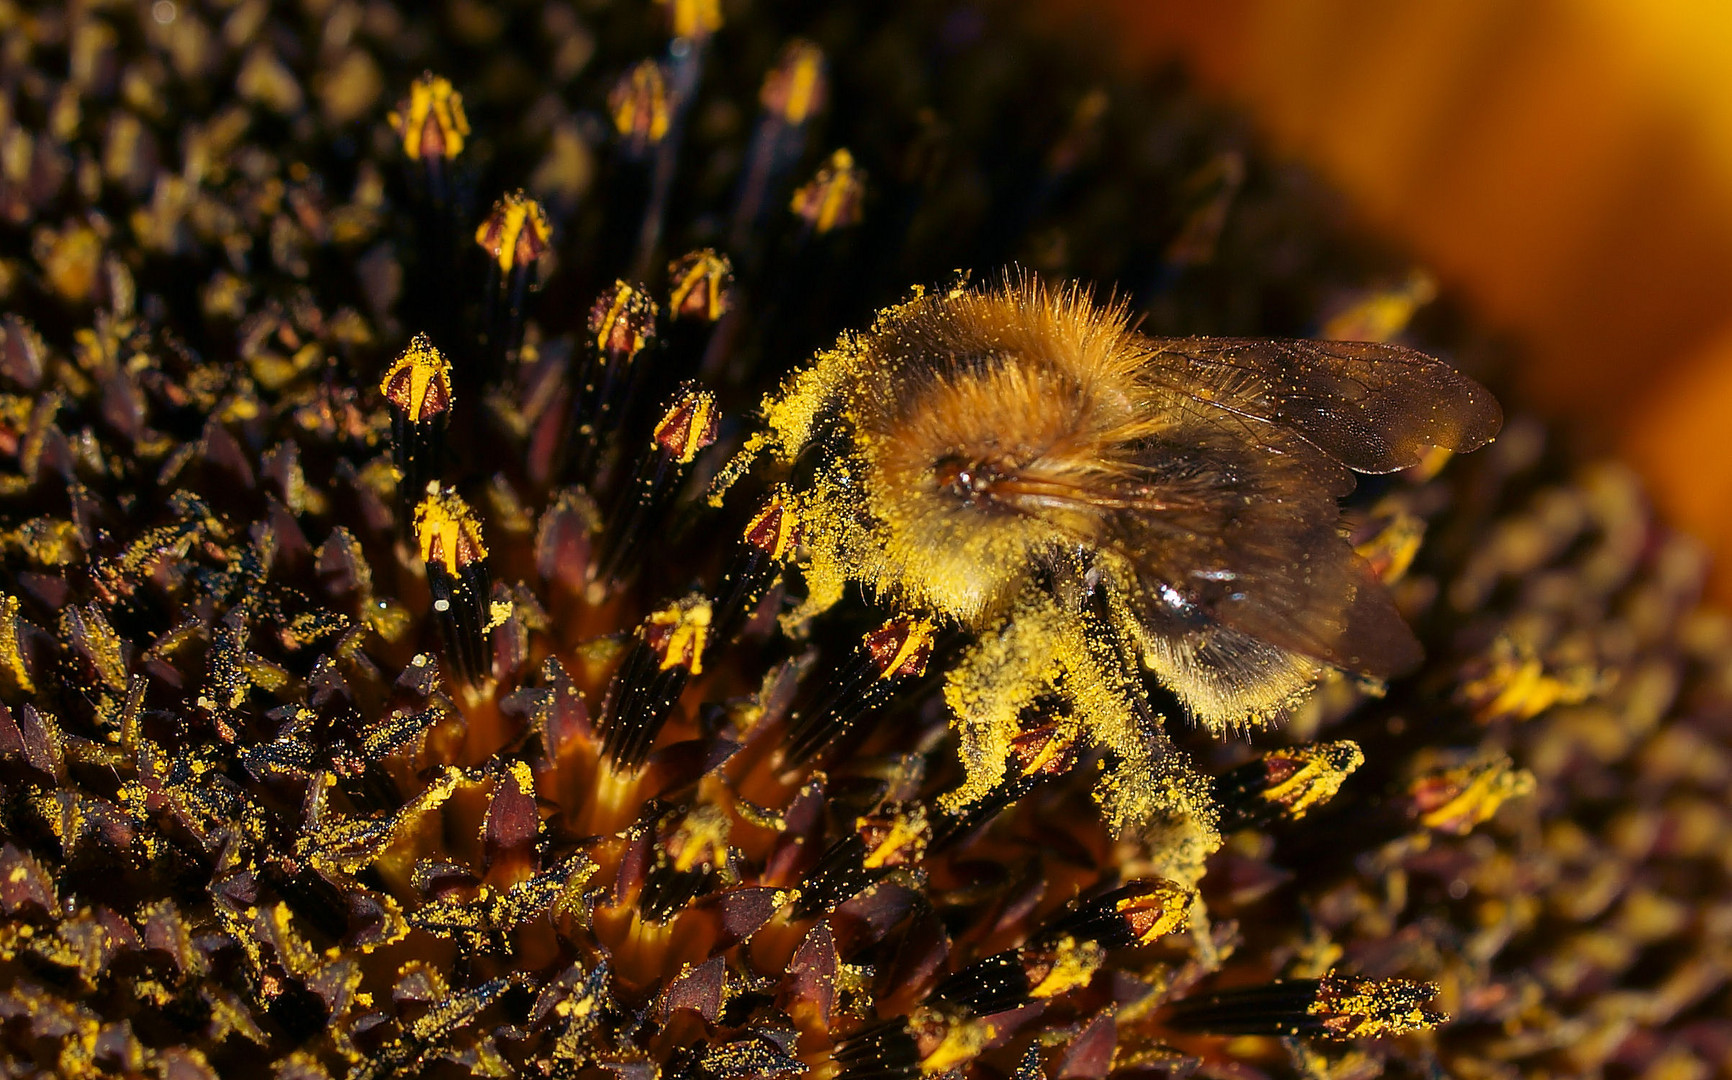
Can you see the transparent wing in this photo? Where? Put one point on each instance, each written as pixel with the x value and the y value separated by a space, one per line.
pixel 1373 407
pixel 1223 542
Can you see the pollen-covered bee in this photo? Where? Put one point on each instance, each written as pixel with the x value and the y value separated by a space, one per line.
pixel 1088 501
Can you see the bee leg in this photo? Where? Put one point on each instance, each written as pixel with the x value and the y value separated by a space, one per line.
pixel 994 680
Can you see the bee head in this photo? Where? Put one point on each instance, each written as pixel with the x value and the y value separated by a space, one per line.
pixel 976 481
pixel 977 434
pixel 971 481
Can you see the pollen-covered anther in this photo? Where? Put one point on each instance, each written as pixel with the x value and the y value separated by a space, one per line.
pixel 1288 782
pixel 947 1042
pixel 691 848
pixel 418 386
pixel 1333 1007
pixel 1454 800
pixel 1061 966
pixel 449 539
pixel 639 106
pixel 702 286
pixel 775 531
pixel 1383 314
pixel 688 426
pixel 1136 913
pixel 12 663
pixel 1350 1007
pixel 701 839
pixel 1046 751
pixel 431 121
pixel 895 836
pixel 1049 965
pixel 1149 910
pixel 901 647
pixel 418 390
pixel 515 234
pixel 834 198
pixel 1391 545
pixel 676 635
pixel 796 88
pixel 448 533
pixel 1512 680
pixel 622 322
pixel 1036 755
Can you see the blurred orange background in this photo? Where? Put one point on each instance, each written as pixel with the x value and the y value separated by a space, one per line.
pixel 1564 164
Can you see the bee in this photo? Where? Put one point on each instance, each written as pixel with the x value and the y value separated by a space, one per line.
pixel 1091 503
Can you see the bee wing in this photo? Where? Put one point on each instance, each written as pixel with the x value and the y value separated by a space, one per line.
pixel 1296 585
pixel 1373 407
pixel 1234 548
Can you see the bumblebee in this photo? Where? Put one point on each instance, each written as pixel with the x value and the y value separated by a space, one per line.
pixel 1090 502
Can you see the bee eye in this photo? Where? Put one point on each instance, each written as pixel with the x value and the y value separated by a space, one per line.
pixel 966 479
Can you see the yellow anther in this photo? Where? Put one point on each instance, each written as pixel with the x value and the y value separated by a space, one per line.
pixel 831 199
pixel 680 632
pixel 516 233
pixel 623 323
pixel 700 285
pixel 776 529
pixel 431 121
pixel 448 532
pixel 639 105
pixel 694 18
pixel 795 89
pixel 419 382
pixel 688 427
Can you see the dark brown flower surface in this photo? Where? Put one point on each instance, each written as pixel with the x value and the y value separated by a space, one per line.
pixel 380 695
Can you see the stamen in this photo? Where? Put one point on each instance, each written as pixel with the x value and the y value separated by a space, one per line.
pixel 669 650
pixel 1333 1007
pixel 449 537
pixel 887 659
pixel 688 425
pixel 418 390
